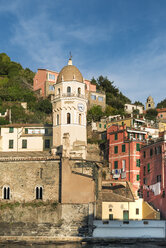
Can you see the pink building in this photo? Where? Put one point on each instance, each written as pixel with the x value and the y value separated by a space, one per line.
pixel 161 113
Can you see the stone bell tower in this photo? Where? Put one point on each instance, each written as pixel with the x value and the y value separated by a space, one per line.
pixel 69 112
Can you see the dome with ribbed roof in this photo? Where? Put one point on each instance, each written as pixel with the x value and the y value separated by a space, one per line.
pixel 69 73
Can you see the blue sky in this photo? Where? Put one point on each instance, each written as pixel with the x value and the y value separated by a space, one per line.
pixel 124 40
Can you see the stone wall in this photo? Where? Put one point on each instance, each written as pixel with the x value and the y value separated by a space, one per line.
pixel 24 176
pixel 46 220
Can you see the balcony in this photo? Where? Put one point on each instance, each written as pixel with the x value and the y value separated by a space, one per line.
pixel 68 95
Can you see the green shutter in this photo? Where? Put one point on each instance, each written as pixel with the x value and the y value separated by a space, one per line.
pixel 115 149
pixel 123 148
pixel 24 143
pixel 105 126
pixel 138 162
pixel 11 142
pixel 11 129
pixel 138 147
pixel 26 130
pixel 99 125
pixel 116 136
pixel 115 164
pixel 137 177
pixel 148 167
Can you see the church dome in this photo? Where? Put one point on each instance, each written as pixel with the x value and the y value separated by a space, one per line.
pixel 70 73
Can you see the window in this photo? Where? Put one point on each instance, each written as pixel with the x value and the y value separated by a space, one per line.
pixel 100 98
pixel 158 178
pixel 145 180
pixel 11 144
pixel 6 193
pixel 79 119
pixel 57 120
pixel 147 193
pixel 68 118
pixel 137 177
pixel 26 130
pixel 46 131
pixel 59 91
pixel 11 129
pixel 137 211
pixel 134 135
pixel 68 90
pixel 115 149
pixel 148 168
pixel 24 143
pixel 47 143
pixel 123 165
pixel 144 170
pixel 137 135
pixel 39 193
pixel 137 147
pixel 116 136
pixel 51 87
pixel 79 91
pixel 104 125
pixel 93 97
pixel 115 164
pixel 123 148
pixel 110 216
pixel 155 150
pixel 144 154
pixel 100 125
pixel 51 76
pixel 151 152
pixel 138 162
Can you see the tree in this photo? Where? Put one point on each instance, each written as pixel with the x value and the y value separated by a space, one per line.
pixel 162 104
pixel 95 113
pixel 151 114
pixel 138 103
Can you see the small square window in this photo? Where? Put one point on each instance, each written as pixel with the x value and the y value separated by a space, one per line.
pixel 11 129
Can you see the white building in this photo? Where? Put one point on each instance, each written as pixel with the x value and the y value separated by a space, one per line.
pixel 129 108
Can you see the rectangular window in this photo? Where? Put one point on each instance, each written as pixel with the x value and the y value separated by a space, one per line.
pixel 145 180
pixel 100 98
pixel 158 178
pixel 26 130
pixel 123 148
pixel 110 216
pixel 116 136
pixel 137 211
pixel 148 168
pixel 137 147
pixel 24 143
pixel 93 97
pixel 115 149
pixel 47 143
pixel 137 135
pixel 51 87
pixel 46 131
pixel 144 170
pixel 99 125
pixel 138 162
pixel 134 135
pixel 115 164
pixel 104 125
pixel 11 129
pixel 51 76
pixel 147 193
pixel 144 154
pixel 11 144
pixel 137 177
pixel 151 152
pixel 123 165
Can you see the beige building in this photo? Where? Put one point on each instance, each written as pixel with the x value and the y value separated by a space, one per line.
pixel 129 108
pixel 96 98
pixel 69 112
pixel 25 137
pixel 150 103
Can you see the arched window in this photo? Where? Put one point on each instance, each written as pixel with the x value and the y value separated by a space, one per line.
pixel 59 91
pixel 79 91
pixel 68 90
pixel 6 193
pixel 79 119
pixel 68 118
pixel 39 193
pixel 57 120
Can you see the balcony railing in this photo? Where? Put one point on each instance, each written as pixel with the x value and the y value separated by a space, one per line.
pixel 68 95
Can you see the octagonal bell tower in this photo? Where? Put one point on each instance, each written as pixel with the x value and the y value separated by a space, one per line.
pixel 69 112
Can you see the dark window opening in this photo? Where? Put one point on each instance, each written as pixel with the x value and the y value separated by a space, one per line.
pixel 24 143
pixel 39 193
pixel 68 90
pixel 6 193
pixel 68 118
pixel 137 210
pixel 47 143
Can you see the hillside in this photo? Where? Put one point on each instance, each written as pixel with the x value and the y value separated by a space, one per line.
pixel 15 87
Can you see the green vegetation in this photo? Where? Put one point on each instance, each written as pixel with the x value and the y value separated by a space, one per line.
pixel 162 104
pixel 115 100
pixel 151 114
pixel 15 87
